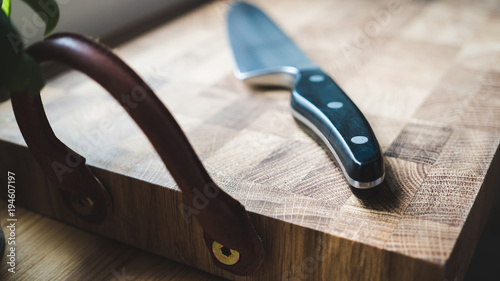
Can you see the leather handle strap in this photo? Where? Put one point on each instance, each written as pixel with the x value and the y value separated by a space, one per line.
pixel 222 218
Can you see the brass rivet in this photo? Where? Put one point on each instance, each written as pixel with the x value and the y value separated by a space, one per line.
pixel 82 204
pixel 225 255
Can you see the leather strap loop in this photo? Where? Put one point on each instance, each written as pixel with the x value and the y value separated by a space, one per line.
pixel 223 219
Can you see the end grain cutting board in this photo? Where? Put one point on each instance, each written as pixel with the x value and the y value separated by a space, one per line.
pixel 425 74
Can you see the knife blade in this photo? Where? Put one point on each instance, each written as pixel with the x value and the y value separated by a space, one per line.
pixel 265 55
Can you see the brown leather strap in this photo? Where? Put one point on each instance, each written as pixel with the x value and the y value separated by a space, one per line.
pixel 222 218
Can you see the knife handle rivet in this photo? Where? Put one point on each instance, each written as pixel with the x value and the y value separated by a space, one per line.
pixel 316 78
pixel 359 139
pixel 335 104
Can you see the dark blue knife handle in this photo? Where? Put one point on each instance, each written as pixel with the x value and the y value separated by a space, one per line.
pixel 320 104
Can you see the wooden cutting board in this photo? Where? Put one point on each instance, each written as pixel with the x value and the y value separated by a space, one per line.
pixel 427 77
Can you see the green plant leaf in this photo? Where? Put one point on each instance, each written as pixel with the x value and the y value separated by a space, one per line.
pixel 18 70
pixel 48 12
pixel 27 76
pixel 6 7
pixel 10 53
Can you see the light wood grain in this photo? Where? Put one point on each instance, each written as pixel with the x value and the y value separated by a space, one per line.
pixel 427 80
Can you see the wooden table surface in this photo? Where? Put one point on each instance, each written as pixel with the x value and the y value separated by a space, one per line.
pixel 427 77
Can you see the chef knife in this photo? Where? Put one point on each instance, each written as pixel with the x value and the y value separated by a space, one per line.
pixel 264 55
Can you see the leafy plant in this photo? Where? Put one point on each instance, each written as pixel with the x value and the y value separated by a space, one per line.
pixel 5 7
pixel 18 70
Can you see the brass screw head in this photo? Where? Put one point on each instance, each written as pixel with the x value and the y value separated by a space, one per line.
pixel 82 204
pixel 225 255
